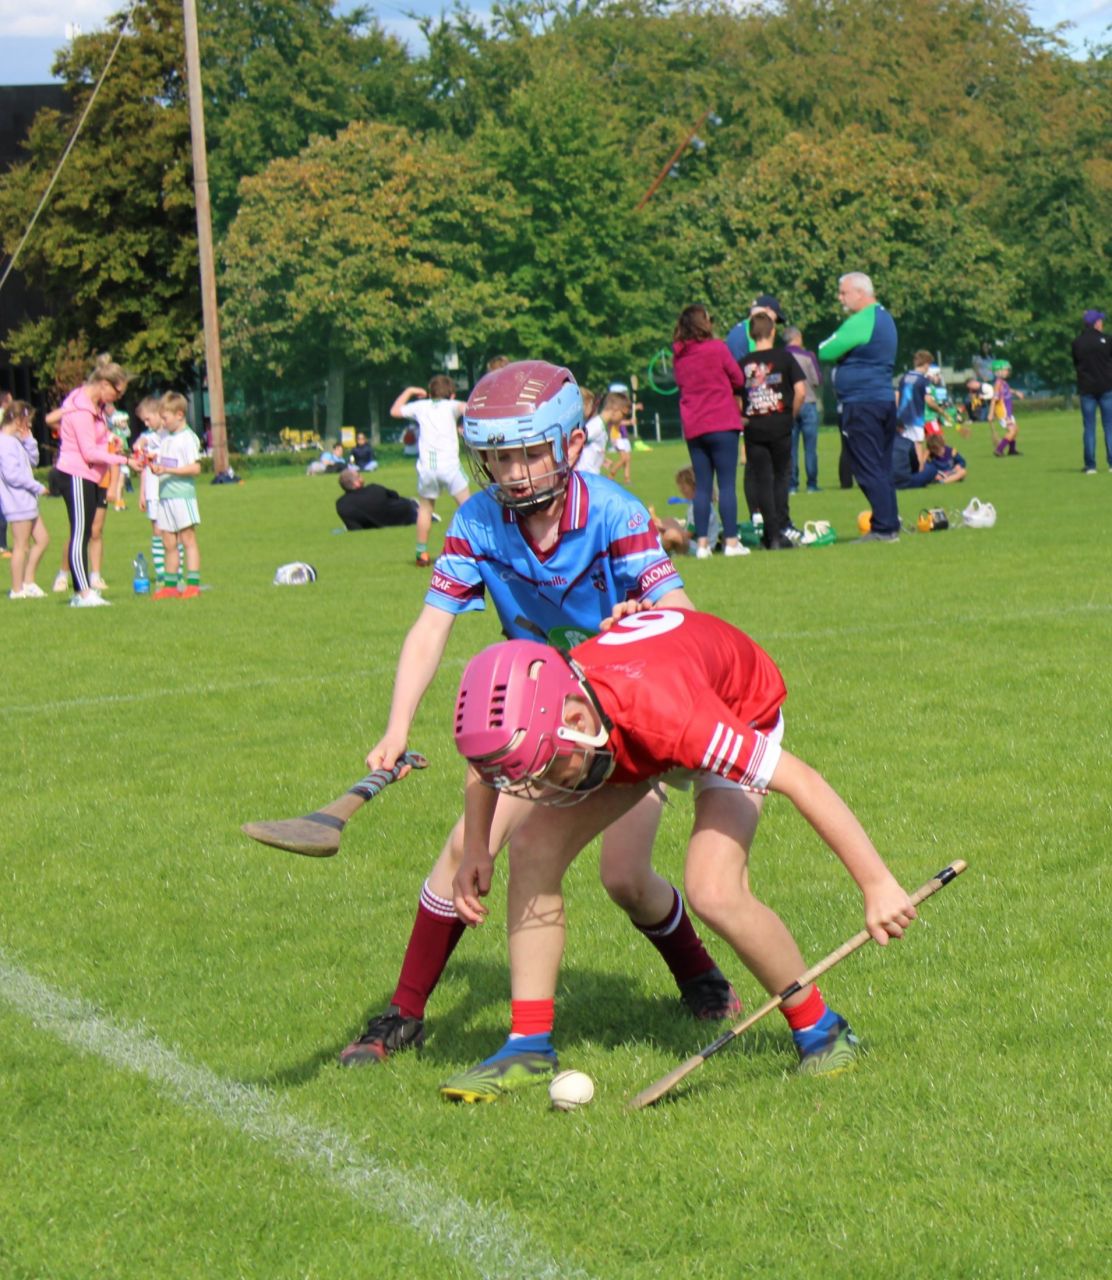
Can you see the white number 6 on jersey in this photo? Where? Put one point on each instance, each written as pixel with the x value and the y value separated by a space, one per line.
pixel 642 626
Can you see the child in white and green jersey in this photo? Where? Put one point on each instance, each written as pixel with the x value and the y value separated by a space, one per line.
pixel 179 460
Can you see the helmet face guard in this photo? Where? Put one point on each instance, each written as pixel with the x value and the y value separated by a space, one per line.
pixel 509 724
pixel 517 425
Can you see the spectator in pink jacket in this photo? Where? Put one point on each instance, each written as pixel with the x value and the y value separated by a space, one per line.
pixel 83 460
pixel 709 379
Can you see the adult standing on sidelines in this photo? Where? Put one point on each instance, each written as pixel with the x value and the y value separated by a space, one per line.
pixel 709 381
pixel 806 423
pixel 1092 358
pixel 739 340
pixel 863 351
pixel 83 460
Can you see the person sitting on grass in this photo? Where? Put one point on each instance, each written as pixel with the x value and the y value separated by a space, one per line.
pixel 660 692
pixel 943 465
pixel 678 536
pixel 363 455
pixel 371 506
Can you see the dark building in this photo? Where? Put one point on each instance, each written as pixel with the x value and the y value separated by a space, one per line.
pixel 18 106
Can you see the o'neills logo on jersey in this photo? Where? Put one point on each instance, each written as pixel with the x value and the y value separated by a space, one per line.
pixel 661 570
pixel 558 581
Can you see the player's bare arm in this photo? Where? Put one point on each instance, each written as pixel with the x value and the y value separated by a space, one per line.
pixel 421 653
pixel 888 909
pixel 410 393
pixel 472 879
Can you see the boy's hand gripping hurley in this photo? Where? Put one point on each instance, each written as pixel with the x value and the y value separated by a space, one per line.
pixel 657 1091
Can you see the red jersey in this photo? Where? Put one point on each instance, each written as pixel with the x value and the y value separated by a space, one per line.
pixel 685 690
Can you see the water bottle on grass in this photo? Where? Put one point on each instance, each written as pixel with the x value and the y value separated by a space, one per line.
pixel 141 583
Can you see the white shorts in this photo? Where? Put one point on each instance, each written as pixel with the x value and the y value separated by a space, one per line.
pixel 682 779
pixel 448 477
pixel 176 514
pixel 152 513
pixel 915 434
pixel 622 445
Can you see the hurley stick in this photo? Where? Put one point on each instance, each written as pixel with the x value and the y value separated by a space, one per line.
pixel 657 1091
pixel 317 834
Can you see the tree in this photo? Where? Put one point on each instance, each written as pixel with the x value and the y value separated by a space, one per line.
pixel 279 72
pixel 586 265
pixel 368 248
pixel 115 249
pixel 811 209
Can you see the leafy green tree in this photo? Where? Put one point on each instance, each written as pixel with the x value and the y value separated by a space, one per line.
pixel 279 72
pixel 115 249
pixel 582 259
pixel 810 209
pixel 370 248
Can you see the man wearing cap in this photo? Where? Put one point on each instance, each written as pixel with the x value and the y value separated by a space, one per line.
pixel 738 340
pixel 863 352
pixel 1092 358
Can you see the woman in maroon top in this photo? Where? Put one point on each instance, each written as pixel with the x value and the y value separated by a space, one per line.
pixel 709 379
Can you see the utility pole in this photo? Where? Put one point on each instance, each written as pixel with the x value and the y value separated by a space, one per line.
pixel 672 159
pixel 209 314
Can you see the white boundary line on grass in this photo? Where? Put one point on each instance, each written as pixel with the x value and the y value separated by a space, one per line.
pixel 487 1239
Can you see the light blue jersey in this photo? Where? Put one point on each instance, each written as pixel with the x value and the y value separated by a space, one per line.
pixel 607 551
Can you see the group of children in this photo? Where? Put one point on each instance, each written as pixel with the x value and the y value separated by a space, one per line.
pixel 925 409
pixel 167 454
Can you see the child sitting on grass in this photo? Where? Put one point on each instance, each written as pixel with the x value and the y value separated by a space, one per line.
pixel 678 537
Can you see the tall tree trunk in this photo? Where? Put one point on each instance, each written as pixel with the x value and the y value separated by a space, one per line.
pixel 334 396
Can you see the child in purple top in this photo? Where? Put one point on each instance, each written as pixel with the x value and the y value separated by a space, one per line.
pixel 19 499
pixel 1001 409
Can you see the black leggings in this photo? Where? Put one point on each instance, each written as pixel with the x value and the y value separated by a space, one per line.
pixel 80 497
pixel 768 475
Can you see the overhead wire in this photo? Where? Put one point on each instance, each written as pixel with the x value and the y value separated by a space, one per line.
pixel 69 147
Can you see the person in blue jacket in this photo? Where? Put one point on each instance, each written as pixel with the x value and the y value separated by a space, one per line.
pixel 863 352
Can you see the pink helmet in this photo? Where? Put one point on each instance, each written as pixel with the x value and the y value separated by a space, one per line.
pixel 510 722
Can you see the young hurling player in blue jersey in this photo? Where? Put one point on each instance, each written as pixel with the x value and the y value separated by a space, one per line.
pixel 557 552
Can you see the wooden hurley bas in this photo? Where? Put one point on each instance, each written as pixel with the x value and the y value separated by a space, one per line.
pixel 664 1085
pixel 317 834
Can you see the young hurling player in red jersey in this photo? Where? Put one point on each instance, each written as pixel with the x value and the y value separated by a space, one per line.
pixel 660 691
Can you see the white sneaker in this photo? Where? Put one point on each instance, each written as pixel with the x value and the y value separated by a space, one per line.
pixel 17 595
pixel 97 583
pixel 91 601
pixel 61 583
pixel 735 549
pixel 702 553
pixel 32 591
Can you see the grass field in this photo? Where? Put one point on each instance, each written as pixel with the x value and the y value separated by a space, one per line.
pixel 173 997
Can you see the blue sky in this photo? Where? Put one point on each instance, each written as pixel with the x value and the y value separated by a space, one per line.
pixel 30 33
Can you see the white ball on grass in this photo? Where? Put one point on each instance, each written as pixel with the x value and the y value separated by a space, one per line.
pixel 571 1089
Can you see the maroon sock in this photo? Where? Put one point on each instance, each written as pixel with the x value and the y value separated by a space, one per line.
pixel 678 943
pixel 436 931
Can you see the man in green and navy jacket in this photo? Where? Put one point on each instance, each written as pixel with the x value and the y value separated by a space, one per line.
pixel 863 352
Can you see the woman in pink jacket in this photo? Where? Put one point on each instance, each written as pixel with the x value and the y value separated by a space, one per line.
pixel 708 378
pixel 83 460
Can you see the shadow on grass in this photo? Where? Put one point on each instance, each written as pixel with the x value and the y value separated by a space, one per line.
pixel 593 1007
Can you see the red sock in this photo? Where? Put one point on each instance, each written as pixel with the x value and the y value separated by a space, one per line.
pixel 807 1012
pixel 436 931
pixel 532 1017
pixel 678 943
